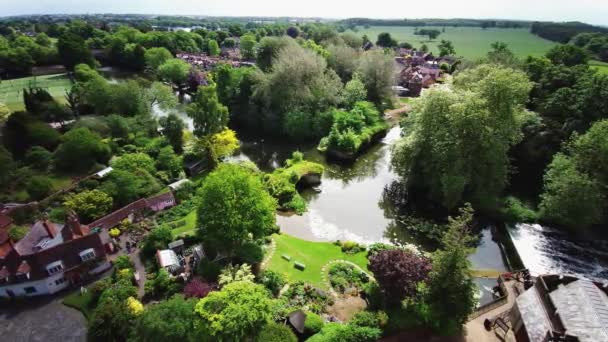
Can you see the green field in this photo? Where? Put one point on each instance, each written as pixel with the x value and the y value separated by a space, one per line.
pixel 11 91
pixel 469 42
pixel 602 67
pixel 314 255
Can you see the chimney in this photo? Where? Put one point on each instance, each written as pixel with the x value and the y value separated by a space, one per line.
pixel 73 224
pixel 49 227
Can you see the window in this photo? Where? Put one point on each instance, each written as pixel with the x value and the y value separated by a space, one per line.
pixel 87 254
pixel 54 267
pixel 60 281
pixel 30 290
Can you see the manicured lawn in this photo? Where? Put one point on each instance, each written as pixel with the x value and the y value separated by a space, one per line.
pixel 313 254
pixel 469 42
pixel 188 229
pixel 11 91
pixel 602 67
pixel 80 302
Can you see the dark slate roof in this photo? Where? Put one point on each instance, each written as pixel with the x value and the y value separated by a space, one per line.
pixel 583 310
pixel 297 320
pixel 533 315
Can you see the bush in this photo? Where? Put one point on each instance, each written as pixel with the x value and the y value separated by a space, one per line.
pixel 343 276
pixel 272 280
pixel 17 233
pixel 57 214
pixel 114 232
pixel 373 295
pixel 351 247
pixel 516 211
pixel 123 262
pixel 198 288
pixel 250 253
pixel 39 187
pixel 275 332
pixel 313 324
pixel 370 319
pixel 38 158
pixel 379 247
pixel 209 270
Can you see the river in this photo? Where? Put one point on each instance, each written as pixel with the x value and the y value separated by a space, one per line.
pixel 348 205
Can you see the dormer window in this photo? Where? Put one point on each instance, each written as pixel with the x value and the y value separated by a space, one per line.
pixel 54 267
pixel 87 254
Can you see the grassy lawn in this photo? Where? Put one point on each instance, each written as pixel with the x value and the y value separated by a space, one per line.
pixel 602 67
pixel 313 254
pixel 469 42
pixel 80 302
pixel 188 229
pixel 11 91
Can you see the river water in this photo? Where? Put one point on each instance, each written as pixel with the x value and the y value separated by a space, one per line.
pixel 349 205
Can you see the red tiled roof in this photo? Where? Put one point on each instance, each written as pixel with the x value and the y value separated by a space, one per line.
pixel 24 267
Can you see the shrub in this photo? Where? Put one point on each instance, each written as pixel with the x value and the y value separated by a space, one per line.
pixel 135 306
pixel 39 187
pixel 17 233
pixel 351 247
pixel 250 253
pixel 198 288
pixel 275 332
pixel 516 211
pixel 38 158
pixel 313 324
pixel 272 280
pixel 57 214
pixel 209 270
pixel 379 247
pixel 373 295
pixel 114 232
pixel 123 262
pixel 370 319
pixel 343 276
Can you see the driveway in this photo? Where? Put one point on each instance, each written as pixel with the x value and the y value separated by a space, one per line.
pixel 44 319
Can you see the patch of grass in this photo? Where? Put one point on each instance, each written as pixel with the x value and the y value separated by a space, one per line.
pixel 80 302
pixel 602 67
pixel 469 42
pixel 11 91
pixel 314 255
pixel 188 229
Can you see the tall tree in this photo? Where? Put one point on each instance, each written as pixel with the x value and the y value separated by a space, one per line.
pixel 446 48
pixel 457 146
pixel 174 71
pixel 156 57
pixel 234 208
pixel 173 130
pixel 73 51
pixel 170 320
pixel 377 73
pixel 451 290
pixel 208 114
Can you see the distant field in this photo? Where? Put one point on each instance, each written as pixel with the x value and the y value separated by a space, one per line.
pixel 600 66
pixel 469 42
pixel 11 91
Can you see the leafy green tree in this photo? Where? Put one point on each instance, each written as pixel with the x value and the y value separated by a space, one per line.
pixel 451 290
pixel 575 181
pixel 38 158
pixel 385 40
pixel 110 321
pixel 500 54
pixel 89 204
pixel 213 48
pixel 239 310
pixel 234 208
pixel 234 273
pixel 354 91
pixel 155 57
pixel 119 126
pixel 173 130
pixel 157 239
pixel 126 187
pixel 446 48
pixel 248 43
pixel 80 150
pixel 208 114
pixel 38 187
pixel 276 332
pixel 344 60
pixel 269 48
pixel 377 72
pixel 457 146
pixel 174 71
pixel 273 281
pixel 168 161
pixel 73 51
pixel 17 233
pixel 133 162
pixel 170 320
pixel 568 55
pixel 7 166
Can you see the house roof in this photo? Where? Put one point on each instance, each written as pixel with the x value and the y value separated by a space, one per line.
pixel 533 315
pixel 297 319
pixel 583 310
pixel 167 258
pixel 177 243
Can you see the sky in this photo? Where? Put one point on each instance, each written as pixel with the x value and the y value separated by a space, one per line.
pixel 589 11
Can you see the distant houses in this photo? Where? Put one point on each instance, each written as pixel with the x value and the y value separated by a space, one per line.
pixel 418 70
